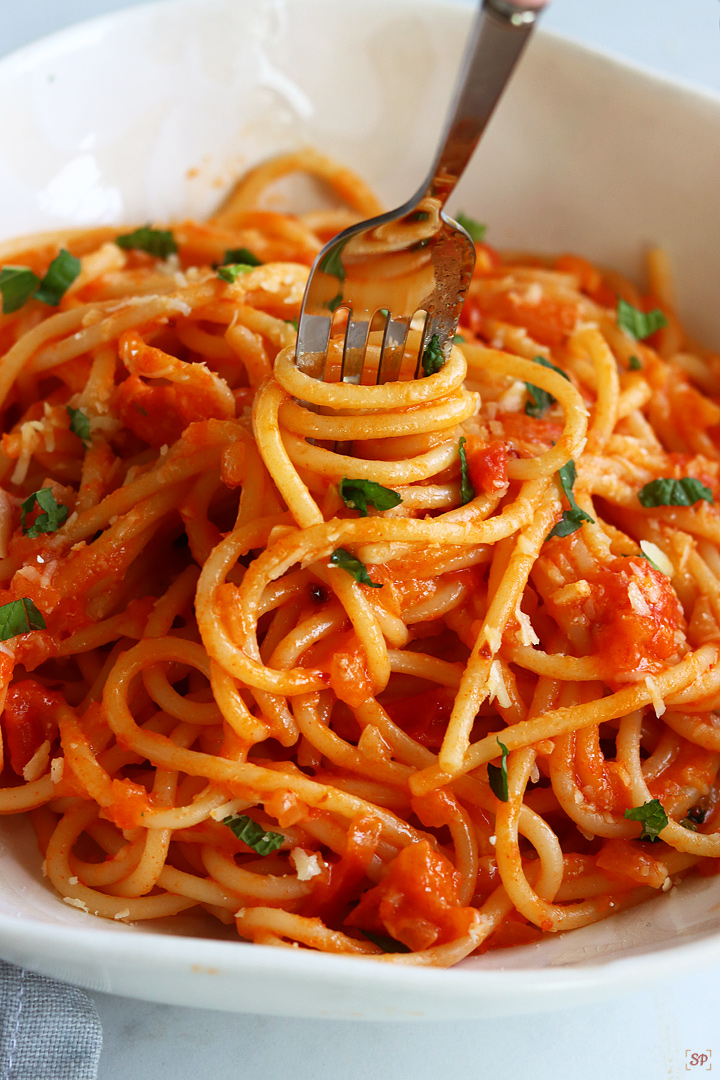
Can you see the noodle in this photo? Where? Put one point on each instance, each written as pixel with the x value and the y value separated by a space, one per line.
pixel 407 671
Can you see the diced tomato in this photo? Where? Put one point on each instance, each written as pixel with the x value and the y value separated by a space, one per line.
pixel 417 903
pixel 28 720
pixel 487 464
pixel 332 893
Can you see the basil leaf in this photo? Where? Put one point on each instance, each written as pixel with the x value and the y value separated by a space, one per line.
pixel 242 255
pixel 331 262
pixel 459 340
pixel 252 834
pixel 342 558
pixel 467 491
pixel 60 275
pixel 335 302
pixel 387 944
pixel 293 323
pixel 19 617
pixel 475 230
pixel 652 816
pixel 541 400
pixel 47 522
pixel 356 494
pixel 573 518
pixel 639 324
pixel 17 284
pixel 433 357
pixel 233 271
pixel 498 775
pixel 79 424
pixel 667 492
pixel 156 242
pixel 634 364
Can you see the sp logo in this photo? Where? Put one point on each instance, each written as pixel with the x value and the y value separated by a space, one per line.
pixel 698 1059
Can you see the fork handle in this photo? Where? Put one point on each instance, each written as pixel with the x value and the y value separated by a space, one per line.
pixel 498 37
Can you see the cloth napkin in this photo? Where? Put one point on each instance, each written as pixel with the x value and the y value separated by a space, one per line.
pixel 48 1030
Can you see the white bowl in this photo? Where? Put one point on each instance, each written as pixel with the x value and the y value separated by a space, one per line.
pixel 149 115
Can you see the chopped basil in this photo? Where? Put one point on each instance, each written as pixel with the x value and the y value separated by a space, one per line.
pixel 51 519
pixel 458 340
pixel 667 492
pixel 639 324
pixel 475 230
pixel 540 400
pixel 17 284
pixel 433 357
pixel 331 262
pixel 573 518
pixel 293 323
pixel 233 271
pixel 498 775
pixel 647 558
pixel 252 834
pixel 356 494
pixel 652 816
pixel 335 302
pixel 387 944
pixel 156 242
pixel 420 215
pixel 241 255
pixel 688 823
pixel 342 558
pixel 60 275
pixel 79 424
pixel 19 617
pixel 467 491
pixel 634 364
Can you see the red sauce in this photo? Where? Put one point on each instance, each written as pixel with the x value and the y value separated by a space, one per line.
pixel 487 464
pixel 28 720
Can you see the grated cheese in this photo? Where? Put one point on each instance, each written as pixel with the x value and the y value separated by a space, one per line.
pixel 307 866
pixel 122 914
pixel 654 691
pixel 496 686
pixel 658 556
pixel 72 880
pixel 637 601
pixel 38 763
pixel 73 901
pixel 527 633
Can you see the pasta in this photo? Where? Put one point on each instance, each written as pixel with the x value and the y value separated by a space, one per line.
pixel 407 671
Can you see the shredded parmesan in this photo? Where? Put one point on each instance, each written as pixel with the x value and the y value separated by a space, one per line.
pixel 72 881
pixel 493 840
pixel 122 914
pixel 654 691
pixel 496 686
pixel 307 866
pixel 527 633
pixel 493 638
pixel 73 901
pixel 38 763
pixel 658 556
pixel 637 601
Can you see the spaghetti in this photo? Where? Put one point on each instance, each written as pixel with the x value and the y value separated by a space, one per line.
pixel 407 671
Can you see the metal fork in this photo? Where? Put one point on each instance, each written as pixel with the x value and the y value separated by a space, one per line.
pixel 407 271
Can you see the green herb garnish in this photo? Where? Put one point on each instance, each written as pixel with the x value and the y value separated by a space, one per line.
pixel 331 263
pixel 467 491
pixel 17 284
pixel 639 324
pixel 475 230
pixel 156 242
pixel 358 570
pixel 541 400
pixel 54 514
pixel 252 834
pixel 433 357
pixel 19 617
pixel 79 424
pixel 233 270
pixel 498 775
pixel 459 340
pixel 356 494
pixel 634 364
pixel 573 518
pixel 241 255
pixel 652 816
pixel 668 492
pixel 60 275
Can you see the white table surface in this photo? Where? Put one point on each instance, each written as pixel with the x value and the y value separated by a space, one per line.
pixel 643 1036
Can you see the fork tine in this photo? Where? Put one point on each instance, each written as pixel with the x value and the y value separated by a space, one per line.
pixel 312 345
pixel 356 336
pixel 393 347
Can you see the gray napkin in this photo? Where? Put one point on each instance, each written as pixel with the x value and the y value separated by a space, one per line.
pixel 48 1030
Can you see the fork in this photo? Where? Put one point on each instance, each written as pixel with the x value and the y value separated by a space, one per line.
pixel 404 275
